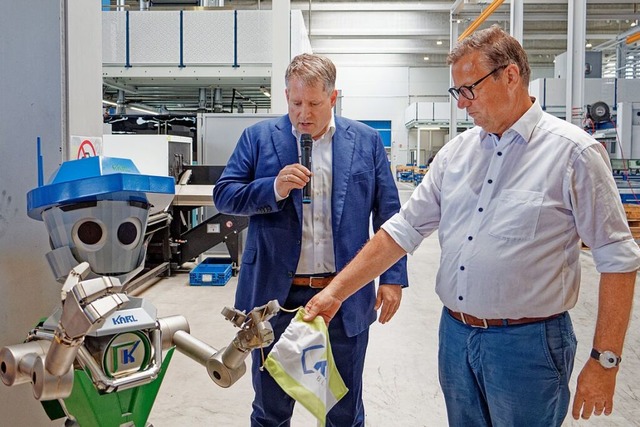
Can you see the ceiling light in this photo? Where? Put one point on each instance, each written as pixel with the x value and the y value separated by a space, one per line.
pixel 589 45
pixel 634 23
pixel 104 101
pixel 426 58
pixel 142 110
pixel 265 91
pixel 439 42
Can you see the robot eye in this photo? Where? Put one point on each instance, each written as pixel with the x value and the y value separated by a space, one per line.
pixel 90 232
pixel 127 233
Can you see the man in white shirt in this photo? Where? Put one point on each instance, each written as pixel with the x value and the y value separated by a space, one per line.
pixel 511 199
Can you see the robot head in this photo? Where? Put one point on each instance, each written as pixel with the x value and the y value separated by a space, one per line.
pixel 108 234
pixel 96 210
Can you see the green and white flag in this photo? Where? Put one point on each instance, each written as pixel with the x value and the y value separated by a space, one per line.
pixel 302 364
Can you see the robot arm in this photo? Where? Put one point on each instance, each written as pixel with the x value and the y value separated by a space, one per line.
pixel 226 366
pixel 49 365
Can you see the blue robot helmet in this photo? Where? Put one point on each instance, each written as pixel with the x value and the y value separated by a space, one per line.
pixel 96 210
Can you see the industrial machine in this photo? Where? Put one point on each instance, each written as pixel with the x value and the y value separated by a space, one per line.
pixel 190 226
pixel 100 358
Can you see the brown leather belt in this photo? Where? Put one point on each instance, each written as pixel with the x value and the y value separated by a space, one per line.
pixel 318 282
pixel 476 322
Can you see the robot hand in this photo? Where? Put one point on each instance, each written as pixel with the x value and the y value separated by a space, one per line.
pixel 85 305
pixel 226 366
pixel 256 331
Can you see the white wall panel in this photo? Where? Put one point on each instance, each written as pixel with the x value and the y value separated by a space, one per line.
pixel 254 37
pixel 114 28
pixel 154 37
pixel 375 82
pixel 208 37
pixel 429 82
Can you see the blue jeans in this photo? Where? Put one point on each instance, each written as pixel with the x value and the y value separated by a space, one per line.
pixel 272 407
pixel 506 375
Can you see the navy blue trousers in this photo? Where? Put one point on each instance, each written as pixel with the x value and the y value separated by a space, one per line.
pixel 272 407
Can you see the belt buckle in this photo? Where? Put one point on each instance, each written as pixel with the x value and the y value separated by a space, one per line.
pixel 483 326
pixel 311 282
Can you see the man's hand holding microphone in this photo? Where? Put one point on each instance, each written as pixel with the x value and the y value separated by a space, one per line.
pixel 297 175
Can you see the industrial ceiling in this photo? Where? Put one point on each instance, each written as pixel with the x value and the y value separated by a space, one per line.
pixel 386 33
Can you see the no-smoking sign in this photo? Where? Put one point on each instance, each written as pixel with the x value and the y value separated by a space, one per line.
pixel 85 146
pixel 86 149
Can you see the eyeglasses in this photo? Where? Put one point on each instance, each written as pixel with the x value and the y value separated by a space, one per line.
pixel 467 91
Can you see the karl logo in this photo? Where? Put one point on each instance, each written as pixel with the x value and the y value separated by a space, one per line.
pixel 124 353
pixel 314 357
pixel 127 353
pixel 120 319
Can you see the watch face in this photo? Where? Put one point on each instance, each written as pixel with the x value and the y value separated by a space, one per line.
pixel 608 359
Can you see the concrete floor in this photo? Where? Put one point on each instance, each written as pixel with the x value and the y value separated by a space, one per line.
pixel 400 382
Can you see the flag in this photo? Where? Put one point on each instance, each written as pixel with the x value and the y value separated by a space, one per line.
pixel 302 364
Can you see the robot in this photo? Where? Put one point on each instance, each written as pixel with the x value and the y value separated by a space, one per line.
pixel 100 358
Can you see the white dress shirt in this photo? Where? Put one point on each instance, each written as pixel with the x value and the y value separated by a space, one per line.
pixel 510 214
pixel 317 255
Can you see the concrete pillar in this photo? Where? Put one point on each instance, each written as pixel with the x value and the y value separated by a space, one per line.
pixel 576 40
pixel 51 85
pixel 281 51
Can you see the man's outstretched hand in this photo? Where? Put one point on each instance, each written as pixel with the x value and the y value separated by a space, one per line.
pixel 323 304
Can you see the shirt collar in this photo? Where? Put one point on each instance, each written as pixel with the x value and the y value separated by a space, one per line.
pixel 525 125
pixel 327 135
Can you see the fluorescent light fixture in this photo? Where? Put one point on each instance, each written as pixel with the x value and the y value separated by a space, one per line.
pixel 589 45
pixel 265 91
pixel 426 58
pixel 142 110
pixel 439 42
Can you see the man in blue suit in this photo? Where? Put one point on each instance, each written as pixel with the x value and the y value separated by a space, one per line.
pixel 294 249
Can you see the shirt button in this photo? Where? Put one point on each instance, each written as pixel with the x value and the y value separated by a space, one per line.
pixel 460 297
pixel 470 237
pixel 499 153
pixel 480 209
pixel 490 181
pixel 290 274
pixel 462 268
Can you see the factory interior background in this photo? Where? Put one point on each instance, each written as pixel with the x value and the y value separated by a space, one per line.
pixel 172 84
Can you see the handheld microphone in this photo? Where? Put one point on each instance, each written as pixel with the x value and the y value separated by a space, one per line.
pixel 306 145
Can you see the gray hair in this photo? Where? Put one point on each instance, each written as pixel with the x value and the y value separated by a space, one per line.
pixel 496 47
pixel 312 69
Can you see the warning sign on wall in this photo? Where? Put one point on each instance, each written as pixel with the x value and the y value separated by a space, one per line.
pixel 85 146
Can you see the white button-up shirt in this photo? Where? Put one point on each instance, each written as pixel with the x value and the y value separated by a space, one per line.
pixel 510 214
pixel 317 254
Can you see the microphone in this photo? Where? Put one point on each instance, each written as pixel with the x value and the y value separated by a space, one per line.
pixel 306 145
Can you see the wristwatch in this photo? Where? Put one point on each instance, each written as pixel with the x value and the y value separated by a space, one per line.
pixel 608 359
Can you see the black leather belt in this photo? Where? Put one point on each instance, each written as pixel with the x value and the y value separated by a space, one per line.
pixel 476 322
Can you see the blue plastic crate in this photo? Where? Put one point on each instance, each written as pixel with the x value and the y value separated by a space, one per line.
pixel 210 273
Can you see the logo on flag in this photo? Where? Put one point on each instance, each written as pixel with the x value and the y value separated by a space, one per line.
pixel 302 364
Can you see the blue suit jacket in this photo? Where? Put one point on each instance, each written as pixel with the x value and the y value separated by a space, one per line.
pixel 363 187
